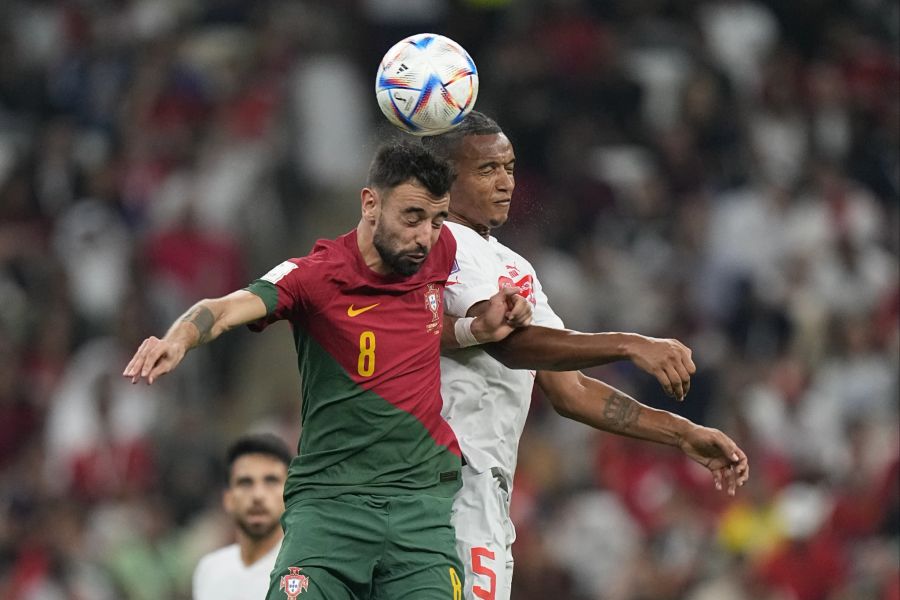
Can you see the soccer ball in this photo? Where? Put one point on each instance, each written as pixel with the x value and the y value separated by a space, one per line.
pixel 426 84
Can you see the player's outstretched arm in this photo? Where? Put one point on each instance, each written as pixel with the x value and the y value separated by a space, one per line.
pixel 202 323
pixel 565 350
pixel 496 318
pixel 578 397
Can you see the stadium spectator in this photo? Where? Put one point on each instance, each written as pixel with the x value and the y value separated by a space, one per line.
pixel 110 110
pixel 257 469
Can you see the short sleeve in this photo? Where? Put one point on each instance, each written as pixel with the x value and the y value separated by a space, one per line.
pixel 473 278
pixel 543 313
pixel 283 292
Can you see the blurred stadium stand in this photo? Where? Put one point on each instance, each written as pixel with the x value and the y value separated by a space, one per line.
pixel 726 172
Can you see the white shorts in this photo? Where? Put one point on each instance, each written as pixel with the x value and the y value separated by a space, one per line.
pixel 484 534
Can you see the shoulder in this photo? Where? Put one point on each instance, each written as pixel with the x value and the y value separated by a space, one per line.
pixel 324 255
pixel 448 236
pixel 465 236
pixel 445 248
pixel 513 257
pixel 472 250
pixel 319 264
pixel 217 562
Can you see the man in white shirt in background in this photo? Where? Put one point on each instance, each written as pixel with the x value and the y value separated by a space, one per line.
pixel 486 394
pixel 254 499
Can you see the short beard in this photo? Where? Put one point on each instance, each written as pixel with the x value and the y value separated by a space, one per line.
pixel 397 263
pixel 258 532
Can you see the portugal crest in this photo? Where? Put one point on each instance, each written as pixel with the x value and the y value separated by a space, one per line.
pixel 294 583
pixel 433 304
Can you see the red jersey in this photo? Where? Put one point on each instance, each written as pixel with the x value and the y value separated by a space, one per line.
pixel 368 350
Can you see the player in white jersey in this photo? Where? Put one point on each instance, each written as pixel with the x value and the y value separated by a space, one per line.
pixel 257 470
pixel 486 401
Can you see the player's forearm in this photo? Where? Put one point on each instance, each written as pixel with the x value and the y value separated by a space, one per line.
pixel 547 349
pixel 478 327
pixel 602 406
pixel 208 319
pixel 201 323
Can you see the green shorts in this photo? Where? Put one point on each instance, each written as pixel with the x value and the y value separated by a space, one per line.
pixel 364 547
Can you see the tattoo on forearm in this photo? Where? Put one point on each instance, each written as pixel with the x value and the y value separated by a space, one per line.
pixel 621 412
pixel 203 320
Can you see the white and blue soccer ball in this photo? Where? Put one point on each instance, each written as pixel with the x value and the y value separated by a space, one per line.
pixel 426 84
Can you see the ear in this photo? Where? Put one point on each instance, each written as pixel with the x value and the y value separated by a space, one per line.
pixel 371 205
pixel 227 501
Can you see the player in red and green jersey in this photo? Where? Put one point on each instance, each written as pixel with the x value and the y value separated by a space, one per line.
pixel 368 498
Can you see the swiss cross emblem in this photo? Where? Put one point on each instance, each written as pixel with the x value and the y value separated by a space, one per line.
pixel 525 285
pixel 294 583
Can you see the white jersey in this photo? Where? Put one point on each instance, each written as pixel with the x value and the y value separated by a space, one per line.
pixel 484 402
pixel 222 575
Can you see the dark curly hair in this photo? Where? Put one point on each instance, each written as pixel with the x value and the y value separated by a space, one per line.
pixel 446 144
pixel 399 162
pixel 263 443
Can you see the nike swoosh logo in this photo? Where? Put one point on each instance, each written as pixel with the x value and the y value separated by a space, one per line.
pixel 352 312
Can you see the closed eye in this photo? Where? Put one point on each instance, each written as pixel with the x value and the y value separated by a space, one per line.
pixel 491 167
pixel 413 215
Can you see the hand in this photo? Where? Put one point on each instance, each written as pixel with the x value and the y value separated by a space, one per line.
pixel 667 360
pixel 718 453
pixel 154 358
pixel 520 312
pixel 505 311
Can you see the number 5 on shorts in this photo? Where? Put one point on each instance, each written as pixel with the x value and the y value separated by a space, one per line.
pixel 479 569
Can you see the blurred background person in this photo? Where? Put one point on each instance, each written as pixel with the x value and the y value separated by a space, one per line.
pixel 254 499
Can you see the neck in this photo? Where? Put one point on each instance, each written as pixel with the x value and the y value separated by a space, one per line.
pixel 365 235
pixel 482 230
pixel 252 549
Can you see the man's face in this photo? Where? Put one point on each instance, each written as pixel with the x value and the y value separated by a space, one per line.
pixel 407 225
pixel 484 184
pixel 254 498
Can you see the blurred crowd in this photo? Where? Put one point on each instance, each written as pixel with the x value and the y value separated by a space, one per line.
pixel 725 172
